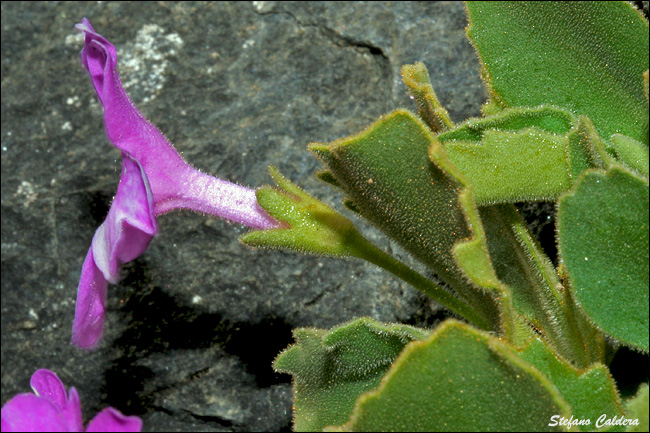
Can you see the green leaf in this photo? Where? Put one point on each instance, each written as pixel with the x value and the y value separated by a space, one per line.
pixel 549 119
pixel 586 149
pixel 523 153
pixel 603 242
pixel 516 155
pixel 513 167
pixel 331 369
pixel 587 57
pixel 386 172
pixel 590 393
pixel 459 379
pixel 431 111
pixel 388 176
pixel 631 152
pixel 637 408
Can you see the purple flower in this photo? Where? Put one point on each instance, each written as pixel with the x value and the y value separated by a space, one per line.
pixel 155 180
pixel 123 236
pixel 51 408
pixel 174 183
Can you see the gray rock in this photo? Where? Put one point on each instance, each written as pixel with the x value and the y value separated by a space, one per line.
pixel 196 321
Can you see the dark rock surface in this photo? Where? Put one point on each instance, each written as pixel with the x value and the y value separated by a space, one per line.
pixel 196 321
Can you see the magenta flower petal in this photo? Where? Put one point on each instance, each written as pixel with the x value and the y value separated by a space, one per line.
pixel 91 301
pixel 130 224
pixel 112 420
pixel 52 409
pixel 174 183
pixel 30 413
pixel 122 237
pixel 72 411
pixel 47 385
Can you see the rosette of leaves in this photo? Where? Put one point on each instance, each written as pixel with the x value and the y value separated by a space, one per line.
pixel 566 121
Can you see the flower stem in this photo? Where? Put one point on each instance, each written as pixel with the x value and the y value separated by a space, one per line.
pixel 367 251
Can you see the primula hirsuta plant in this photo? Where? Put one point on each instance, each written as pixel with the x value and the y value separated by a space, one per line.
pixel 530 343
pixel 567 122
pixel 52 408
